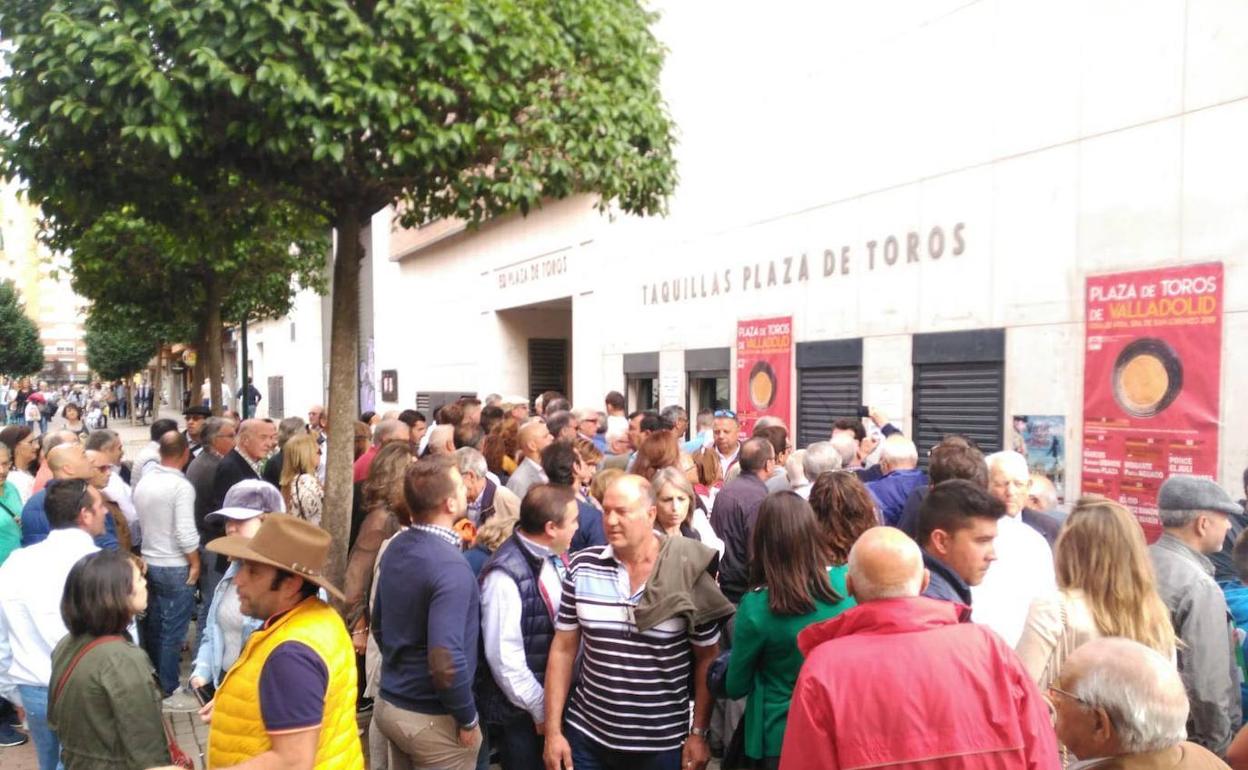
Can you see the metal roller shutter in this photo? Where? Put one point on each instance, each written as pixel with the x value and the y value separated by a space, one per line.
pixel 825 394
pixel 548 366
pixel 966 398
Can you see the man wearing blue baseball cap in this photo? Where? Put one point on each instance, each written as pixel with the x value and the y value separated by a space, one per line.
pixel 1196 513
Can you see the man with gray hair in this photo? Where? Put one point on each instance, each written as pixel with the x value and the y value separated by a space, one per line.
pixel 485 496
pixel 385 432
pixel 1024 566
pixel 1123 703
pixel 676 418
pixel 1196 514
pixel 819 458
pixel 846 446
pixel 588 425
pixel 117 491
pixel 899 462
pixel 954 674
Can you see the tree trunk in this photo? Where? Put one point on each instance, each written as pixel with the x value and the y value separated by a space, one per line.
pixel 343 390
pixel 212 340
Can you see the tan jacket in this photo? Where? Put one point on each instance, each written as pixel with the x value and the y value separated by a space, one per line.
pixel 1185 756
pixel 506 502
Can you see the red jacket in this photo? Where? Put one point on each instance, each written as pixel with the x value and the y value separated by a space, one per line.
pixel 905 683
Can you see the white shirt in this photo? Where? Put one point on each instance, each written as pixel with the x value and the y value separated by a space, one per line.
pixel 148 456
pixel 501 612
pixel 702 525
pixel 31 583
pixel 24 482
pixel 117 492
pixel 166 504
pixel 1023 571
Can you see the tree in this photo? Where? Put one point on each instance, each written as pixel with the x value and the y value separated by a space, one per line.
pixel 119 341
pixel 451 108
pixel 21 352
pixel 223 259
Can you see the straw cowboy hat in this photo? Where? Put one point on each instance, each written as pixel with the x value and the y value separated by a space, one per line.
pixel 285 542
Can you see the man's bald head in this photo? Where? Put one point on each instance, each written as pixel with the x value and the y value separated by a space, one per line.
pixel 1129 699
pixel 885 563
pixel 69 461
pixel 533 437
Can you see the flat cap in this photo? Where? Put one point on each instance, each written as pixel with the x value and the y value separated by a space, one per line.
pixel 1189 493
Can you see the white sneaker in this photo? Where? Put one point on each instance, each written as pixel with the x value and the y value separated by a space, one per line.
pixel 181 700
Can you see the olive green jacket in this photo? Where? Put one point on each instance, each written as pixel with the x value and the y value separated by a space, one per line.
pixel 108 715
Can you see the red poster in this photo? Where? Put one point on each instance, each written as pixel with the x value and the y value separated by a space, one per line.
pixel 764 370
pixel 1152 373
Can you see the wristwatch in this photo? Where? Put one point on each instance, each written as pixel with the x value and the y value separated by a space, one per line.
pixel 701 732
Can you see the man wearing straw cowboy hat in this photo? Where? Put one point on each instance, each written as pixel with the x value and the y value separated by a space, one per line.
pixel 290 697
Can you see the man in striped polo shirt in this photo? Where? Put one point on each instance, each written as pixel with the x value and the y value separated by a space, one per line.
pixel 630 705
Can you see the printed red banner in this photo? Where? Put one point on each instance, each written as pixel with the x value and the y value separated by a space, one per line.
pixel 1151 382
pixel 764 370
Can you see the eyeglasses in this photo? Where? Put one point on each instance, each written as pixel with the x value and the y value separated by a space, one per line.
pixel 726 413
pixel 1067 694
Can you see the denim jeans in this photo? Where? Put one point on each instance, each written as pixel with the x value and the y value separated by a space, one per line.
pixel 588 754
pixel 47 746
pixel 519 745
pixel 169 606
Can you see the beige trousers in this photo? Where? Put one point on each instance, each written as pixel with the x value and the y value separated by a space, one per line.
pixel 422 741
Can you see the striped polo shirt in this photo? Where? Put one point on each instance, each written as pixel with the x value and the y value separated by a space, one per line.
pixel 633 690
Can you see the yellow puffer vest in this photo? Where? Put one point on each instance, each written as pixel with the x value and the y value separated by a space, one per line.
pixel 237 733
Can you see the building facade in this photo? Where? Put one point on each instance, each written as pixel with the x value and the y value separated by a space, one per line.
pixel 924 188
pixel 42 279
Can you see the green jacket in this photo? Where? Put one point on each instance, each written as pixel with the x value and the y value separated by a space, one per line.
pixel 765 662
pixel 10 513
pixel 108 716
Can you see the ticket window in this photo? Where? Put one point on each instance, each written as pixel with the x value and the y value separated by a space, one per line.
pixel 643 390
pixel 708 390
pixel 641 380
pixel 707 372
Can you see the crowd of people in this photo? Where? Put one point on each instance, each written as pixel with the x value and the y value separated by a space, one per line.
pixel 83 407
pixel 548 587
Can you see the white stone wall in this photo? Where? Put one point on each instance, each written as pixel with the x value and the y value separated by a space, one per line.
pixel 1065 138
pixel 298 362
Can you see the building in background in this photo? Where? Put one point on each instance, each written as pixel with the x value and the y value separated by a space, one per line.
pixel 926 191
pixel 42 279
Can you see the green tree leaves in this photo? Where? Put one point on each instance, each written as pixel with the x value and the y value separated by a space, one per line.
pixel 21 352
pixel 120 340
pixel 450 108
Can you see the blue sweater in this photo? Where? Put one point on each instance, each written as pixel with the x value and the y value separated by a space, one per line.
pixel 890 492
pixel 427 620
pixel 35 526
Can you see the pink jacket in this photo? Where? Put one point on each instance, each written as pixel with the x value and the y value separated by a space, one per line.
pixel 907 683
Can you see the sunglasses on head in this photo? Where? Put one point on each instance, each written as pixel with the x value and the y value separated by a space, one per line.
pixel 726 413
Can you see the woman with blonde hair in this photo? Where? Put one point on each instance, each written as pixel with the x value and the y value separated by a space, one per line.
pixel 674 498
pixel 1106 587
pixel 300 487
pixel 490 536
